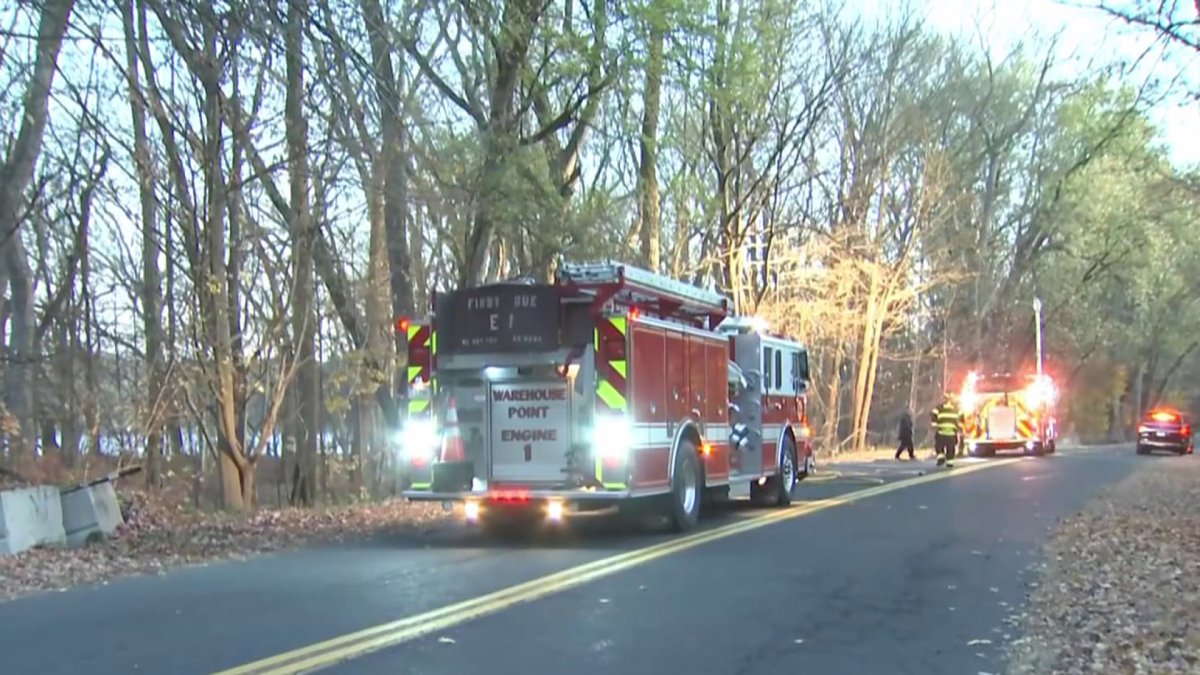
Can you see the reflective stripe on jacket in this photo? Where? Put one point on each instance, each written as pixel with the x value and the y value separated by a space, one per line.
pixel 947 420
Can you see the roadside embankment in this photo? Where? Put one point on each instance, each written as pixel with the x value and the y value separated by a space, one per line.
pixel 160 533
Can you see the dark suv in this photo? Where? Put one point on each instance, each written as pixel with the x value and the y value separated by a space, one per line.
pixel 1165 430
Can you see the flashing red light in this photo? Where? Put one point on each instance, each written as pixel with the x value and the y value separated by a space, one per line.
pixel 402 325
pixel 634 313
pixel 509 496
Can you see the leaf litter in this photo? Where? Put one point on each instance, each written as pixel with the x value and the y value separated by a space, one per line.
pixel 1119 589
pixel 162 532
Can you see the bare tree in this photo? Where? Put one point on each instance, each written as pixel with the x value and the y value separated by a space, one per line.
pixel 15 176
pixel 1168 18
pixel 307 396
pixel 151 295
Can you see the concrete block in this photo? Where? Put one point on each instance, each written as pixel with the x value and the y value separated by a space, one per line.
pixel 30 517
pixel 90 513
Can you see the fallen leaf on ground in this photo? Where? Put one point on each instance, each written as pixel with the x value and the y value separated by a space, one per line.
pixel 1117 591
pixel 161 533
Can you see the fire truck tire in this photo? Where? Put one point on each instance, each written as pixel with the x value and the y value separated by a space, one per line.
pixel 786 478
pixel 687 488
pixel 777 491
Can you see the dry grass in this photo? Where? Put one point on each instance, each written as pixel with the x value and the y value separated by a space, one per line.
pixel 1120 589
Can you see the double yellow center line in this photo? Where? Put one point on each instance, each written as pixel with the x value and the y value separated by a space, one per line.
pixel 356 644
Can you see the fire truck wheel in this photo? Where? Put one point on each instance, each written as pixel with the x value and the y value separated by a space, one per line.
pixel 777 490
pixel 686 488
pixel 785 480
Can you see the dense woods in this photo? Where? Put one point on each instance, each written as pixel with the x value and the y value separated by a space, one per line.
pixel 212 213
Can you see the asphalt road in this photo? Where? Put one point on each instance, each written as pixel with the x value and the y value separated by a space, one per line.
pixel 873 570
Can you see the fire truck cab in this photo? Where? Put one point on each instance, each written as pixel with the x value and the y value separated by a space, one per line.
pixel 608 388
pixel 768 410
pixel 1002 411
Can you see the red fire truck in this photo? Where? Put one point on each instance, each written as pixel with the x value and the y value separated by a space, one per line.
pixel 611 387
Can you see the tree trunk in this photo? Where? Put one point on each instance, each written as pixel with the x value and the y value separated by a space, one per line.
pixel 15 176
pixel 377 371
pixel 1139 391
pixel 865 359
pixel 71 435
pixel 680 256
pixel 833 413
pixel 233 493
pixel 233 266
pixel 214 276
pixel 151 291
pixel 649 213
pixel 307 396
pixel 511 46
pixel 914 375
pixel 872 373
pixel 1116 426
pixel 248 485
pixel 91 344
pixel 392 155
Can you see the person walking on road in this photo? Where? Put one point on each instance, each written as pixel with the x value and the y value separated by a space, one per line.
pixel 906 435
pixel 947 423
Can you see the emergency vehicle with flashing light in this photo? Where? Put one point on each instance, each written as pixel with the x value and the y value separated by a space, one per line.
pixel 1165 429
pixel 610 388
pixel 1003 411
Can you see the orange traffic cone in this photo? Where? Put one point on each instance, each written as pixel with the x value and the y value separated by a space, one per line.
pixel 452 444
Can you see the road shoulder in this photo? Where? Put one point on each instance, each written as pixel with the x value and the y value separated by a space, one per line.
pixel 1117 589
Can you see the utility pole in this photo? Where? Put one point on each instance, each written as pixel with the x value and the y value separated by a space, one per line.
pixel 1037 331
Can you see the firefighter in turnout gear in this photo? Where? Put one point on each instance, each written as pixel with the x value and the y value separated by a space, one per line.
pixel 947 424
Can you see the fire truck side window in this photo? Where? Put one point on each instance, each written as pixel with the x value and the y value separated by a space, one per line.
pixel 778 370
pixel 766 369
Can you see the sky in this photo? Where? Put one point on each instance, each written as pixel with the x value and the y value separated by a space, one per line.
pixel 1087 39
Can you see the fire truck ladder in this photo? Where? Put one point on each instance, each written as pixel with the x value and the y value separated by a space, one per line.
pixel 634 287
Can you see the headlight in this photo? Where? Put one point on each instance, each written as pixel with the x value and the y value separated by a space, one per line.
pixel 419 440
pixel 612 437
